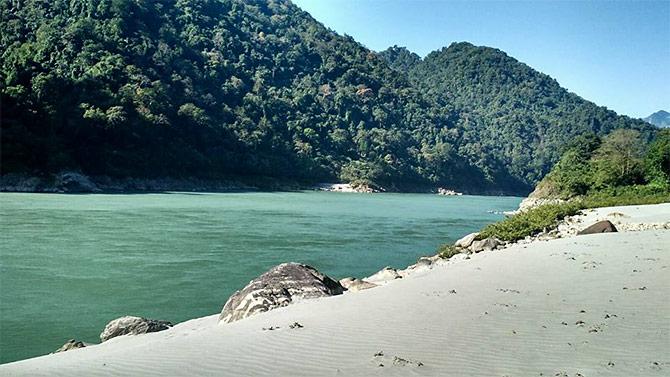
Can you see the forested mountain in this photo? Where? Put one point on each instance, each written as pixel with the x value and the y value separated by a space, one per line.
pixel 512 120
pixel 211 88
pixel 660 118
pixel 220 88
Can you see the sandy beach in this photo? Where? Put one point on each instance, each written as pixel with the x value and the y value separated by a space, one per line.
pixel 592 305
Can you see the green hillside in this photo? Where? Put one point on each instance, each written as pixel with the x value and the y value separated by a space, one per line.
pixel 513 120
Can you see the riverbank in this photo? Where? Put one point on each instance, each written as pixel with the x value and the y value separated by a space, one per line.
pixel 77 183
pixel 578 305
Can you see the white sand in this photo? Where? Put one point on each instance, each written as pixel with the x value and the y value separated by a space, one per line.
pixel 513 312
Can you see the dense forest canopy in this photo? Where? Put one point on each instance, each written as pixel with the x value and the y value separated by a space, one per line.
pixel 218 88
pixel 506 109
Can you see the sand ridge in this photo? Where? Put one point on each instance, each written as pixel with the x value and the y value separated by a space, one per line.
pixel 579 306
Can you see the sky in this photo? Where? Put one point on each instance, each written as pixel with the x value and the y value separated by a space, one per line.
pixel 615 53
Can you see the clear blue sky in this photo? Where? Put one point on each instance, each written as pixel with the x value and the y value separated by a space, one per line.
pixel 614 53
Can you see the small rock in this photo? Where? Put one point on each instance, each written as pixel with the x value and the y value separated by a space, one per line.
pixel 385 275
pixel 130 325
pixel 355 285
pixel 487 244
pixel 466 241
pixel 70 345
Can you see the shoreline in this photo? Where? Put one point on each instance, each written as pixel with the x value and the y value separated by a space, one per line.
pixel 408 306
pixel 68 182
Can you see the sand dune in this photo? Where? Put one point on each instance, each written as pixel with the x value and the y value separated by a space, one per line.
pixel 579 306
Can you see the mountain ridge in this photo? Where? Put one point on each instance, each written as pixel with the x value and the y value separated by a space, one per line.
pixel 660 118
pixel 498 96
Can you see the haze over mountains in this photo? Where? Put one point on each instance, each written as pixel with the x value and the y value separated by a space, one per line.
pixel 660 118
pixel 216 89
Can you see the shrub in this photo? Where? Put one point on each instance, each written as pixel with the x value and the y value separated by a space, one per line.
pixel 530 222
pixel 447 251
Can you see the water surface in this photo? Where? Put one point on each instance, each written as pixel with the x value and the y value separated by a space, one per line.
pixel 71 263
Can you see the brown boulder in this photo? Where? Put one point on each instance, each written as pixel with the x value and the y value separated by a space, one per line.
pixel 600 227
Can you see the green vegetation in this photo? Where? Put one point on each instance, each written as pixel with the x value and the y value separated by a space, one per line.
pixel 447 251
pixel 621 165
pixel 593 173
pixel 219 88
pixel 530 222
pixel 513 121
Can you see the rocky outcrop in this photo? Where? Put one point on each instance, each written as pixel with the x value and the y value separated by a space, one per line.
pixel 487 244
pixel 355 285
pixel 604 226
pixel 346 187
pixel 466 241
pixel 130 325
pixel 70 345
pixel 280 286
pixel 74 183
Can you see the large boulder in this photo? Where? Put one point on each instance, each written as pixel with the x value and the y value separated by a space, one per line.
pixel 466 241
pixel 487 244
pixel 70 345
pixel 280 286
pixel 130 325
pixel 74 182
pixel 604 226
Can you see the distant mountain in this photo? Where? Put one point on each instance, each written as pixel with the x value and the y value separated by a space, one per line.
pixel 512 119
pixel 660 119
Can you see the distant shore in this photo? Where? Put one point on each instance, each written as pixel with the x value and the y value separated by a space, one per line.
pixel 578 305
pixel 76 183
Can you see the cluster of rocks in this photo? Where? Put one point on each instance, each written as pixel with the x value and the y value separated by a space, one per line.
pixel 288 283
pixel 346 187
pixel 127 325
pixel 448 192
pixel 470 243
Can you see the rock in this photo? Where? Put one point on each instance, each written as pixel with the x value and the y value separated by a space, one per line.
pixel 534 201
pixel 466 241
pixel 355 285
pixel 130 325
pixel 75 182
pixel 279 286
pixel 604 226
pixel 425 262
pixel 71 345
pixel 385 275
pixel 486 244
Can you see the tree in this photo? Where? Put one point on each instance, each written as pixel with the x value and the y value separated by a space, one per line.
pixel 618 161
pixel 657 160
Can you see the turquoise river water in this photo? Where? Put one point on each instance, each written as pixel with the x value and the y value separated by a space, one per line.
pixel 71 263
